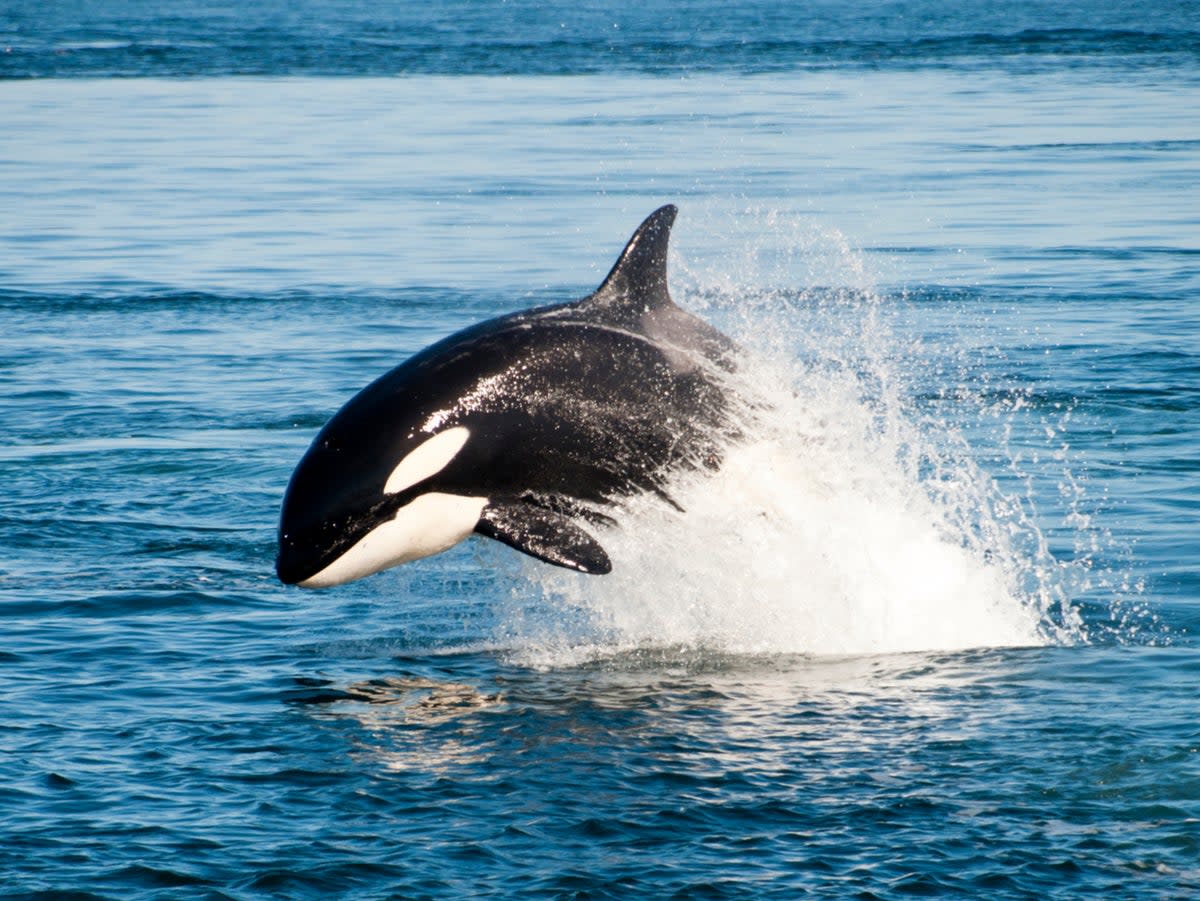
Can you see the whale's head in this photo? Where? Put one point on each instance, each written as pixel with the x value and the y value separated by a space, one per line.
pixel 361 501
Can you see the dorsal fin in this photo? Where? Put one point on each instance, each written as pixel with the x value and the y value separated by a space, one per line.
pixel 639 278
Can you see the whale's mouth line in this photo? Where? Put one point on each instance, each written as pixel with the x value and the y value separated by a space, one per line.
pixel 314 549
pixel 433 522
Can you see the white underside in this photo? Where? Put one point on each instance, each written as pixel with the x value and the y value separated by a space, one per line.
pixel 429 525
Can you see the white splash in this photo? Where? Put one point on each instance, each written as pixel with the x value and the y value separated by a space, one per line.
pixel 843 524
pixel 811 540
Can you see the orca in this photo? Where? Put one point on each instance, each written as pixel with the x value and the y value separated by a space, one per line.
pixel 525 429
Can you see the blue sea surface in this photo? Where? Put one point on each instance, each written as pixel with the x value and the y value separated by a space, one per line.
pixel 931 633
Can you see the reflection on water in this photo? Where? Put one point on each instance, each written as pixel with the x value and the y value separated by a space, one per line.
pixel 703 711
pixel 409 722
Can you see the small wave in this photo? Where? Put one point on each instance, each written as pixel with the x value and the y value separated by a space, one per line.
pixel 489 46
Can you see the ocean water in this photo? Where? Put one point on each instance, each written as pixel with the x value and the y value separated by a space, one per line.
pixel 931 629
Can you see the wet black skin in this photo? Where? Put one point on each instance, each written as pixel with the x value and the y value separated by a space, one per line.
pixel 568 407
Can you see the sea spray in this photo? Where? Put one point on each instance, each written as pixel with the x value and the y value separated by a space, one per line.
pixel 844 521
pixel 812 538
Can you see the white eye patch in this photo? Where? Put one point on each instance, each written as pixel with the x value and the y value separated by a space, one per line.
pixel 427 459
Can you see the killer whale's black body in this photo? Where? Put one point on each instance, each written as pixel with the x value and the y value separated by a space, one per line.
pixel 535 421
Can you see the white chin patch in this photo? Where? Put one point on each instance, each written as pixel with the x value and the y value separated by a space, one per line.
pixel 430 524
pixel 428 459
